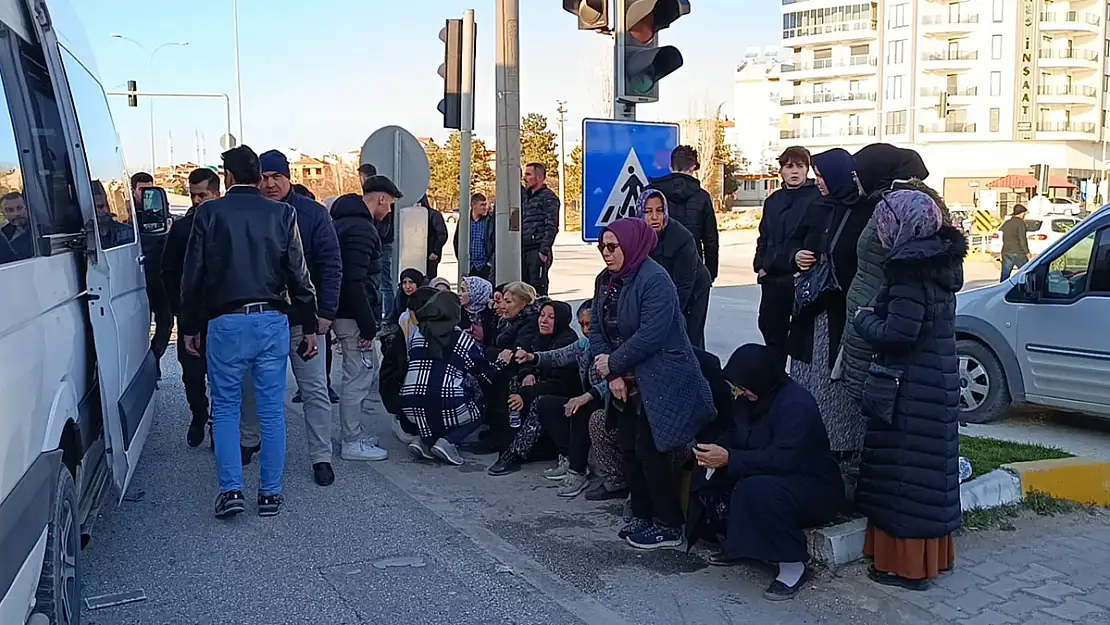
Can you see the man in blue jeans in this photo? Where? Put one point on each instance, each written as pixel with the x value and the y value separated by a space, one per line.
pixel 244 272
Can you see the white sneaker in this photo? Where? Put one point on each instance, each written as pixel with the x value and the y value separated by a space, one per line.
pixel 401 435
pixel 363 450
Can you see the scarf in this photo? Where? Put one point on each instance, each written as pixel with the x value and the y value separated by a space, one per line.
pixel 641 205
pixel 755 368
pixel 905 216
pixel 838 169
pixel 562 312
pixel 636 239
pixel 480 292
pixel 438 321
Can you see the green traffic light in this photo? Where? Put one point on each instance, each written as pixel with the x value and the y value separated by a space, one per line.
pixel 641 84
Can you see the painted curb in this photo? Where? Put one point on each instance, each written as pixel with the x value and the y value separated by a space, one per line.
pixel 1085 480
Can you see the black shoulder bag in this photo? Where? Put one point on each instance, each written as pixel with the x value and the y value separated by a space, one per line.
pixel 809 285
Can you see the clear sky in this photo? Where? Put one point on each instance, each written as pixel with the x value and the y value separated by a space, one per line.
pixel 321 75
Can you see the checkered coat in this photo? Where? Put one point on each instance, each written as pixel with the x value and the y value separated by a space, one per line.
pixel 438 395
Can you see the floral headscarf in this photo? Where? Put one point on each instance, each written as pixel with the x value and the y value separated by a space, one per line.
pixel 904 216
pixel 641 204
pixel 480 292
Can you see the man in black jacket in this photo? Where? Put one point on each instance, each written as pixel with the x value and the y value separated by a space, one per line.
pixel 359 313
pixel 690 205
pixel 482 240
pixel 152 245
pixel 386 236
pixel 244 272
pixel 204 185
pixel 437 238
pixel 539 225
pixel 783 212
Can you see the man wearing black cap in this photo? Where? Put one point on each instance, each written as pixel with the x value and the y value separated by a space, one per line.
pixel 385 236
pixel 360 312
pixel 244 272
pixel 1015 242
pixel 321 252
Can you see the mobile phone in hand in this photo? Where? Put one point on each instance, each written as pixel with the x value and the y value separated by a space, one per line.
pixel 302 349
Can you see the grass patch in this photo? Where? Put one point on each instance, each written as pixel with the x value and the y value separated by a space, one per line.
pixel 1041 504
pixel 987 454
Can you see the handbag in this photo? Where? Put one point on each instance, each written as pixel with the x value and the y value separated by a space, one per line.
pixel 880 393
pixel 809 285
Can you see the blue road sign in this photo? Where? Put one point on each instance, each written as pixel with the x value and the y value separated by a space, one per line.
pixel 618 160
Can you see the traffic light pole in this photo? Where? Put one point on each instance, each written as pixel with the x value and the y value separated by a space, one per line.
pixel 624 111
pixel 465 136
pixel 507 215
pixel 224 96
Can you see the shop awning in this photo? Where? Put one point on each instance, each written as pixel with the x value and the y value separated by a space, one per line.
pixel 1025 181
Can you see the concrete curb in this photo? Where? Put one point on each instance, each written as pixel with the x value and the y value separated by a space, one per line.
pixel 1085 480
pixel 837 545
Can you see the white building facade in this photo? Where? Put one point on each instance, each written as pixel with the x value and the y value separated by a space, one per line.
pixel 758 116
pixel 977 86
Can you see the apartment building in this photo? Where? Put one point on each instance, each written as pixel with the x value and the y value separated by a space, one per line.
pixel 977 86
pixel 758 114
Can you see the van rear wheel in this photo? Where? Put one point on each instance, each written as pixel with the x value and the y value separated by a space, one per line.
pixel 984 395
pixel 58 597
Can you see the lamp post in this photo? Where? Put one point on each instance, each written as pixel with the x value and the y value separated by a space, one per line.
pixel 150 78
pixel 238 75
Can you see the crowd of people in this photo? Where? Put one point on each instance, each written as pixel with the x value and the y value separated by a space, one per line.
pixel 858 268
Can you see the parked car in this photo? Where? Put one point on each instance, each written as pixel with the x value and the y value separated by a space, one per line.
pixel 1042 233
pixel 1042 336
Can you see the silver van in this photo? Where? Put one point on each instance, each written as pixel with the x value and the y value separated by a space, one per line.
pixel 77 376
pixel 1043 336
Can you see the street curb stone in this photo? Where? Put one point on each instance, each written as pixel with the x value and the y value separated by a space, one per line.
pixel 839 544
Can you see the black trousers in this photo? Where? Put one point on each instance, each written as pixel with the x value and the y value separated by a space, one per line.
pixel 194 372
pixel 697 311
pixel 163 317
pixel 776 305
pixel 570 434
pixel 534 271
pixel 651 475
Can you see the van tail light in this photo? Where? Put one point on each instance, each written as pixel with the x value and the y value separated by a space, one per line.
pixel 996 236
pixel 1038 237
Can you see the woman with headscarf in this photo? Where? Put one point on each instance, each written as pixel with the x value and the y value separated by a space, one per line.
pixel 478 318
pixel 909 483
pixel 677 252
pixel 540 389
pixel 435 395
pixel 828 235
pixel 882 168
pixel 517 329
pixel 773 474
pixel 407 283
pixel 395 363
pixel 440 283
pixel 662 399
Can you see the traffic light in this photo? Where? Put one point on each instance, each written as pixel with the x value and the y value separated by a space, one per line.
pixel 132 88
pixel 592 14
pixel 641 61
pixel 451 71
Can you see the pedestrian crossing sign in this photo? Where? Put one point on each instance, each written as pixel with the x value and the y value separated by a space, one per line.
pixel 619 160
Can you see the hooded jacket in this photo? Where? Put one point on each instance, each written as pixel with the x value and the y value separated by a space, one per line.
pixel 361 253
pixel 909 483
pixel 783 213
pixel 692 207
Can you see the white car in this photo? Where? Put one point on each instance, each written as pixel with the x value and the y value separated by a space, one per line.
pixel 1042 233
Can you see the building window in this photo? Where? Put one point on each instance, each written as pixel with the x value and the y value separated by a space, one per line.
pixel 897 17
pixel 896 123
pixel 860 50
pixel 996 83
pixel 996 47
pixel 995 114
pixel 853 17
pixel 998 4
pixel 894 87
pixel 896 52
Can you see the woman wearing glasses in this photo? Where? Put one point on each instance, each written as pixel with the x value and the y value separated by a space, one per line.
pixel 659 396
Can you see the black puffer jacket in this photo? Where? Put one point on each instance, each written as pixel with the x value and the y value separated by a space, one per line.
pixel 909 483
pixel 361 252
pixel 783 213
pixel 539 220
pixel 880 165
pixel 692 207
pixel 677 252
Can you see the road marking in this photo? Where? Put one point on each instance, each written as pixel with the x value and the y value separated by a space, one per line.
pixel 582 605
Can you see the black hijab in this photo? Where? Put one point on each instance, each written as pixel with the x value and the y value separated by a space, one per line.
pixel 438 321
pixel 562 329
pixel 756 368
pixel 880 164
pixel 421 297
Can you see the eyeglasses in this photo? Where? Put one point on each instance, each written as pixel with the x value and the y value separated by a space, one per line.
pixel 608 247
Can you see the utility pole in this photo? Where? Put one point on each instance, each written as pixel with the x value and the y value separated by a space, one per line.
pixel 562 110
pixel 507 216
pixel 465 138
pixel 238 76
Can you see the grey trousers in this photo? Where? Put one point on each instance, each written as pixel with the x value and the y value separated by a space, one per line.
pixel 312 381
pixel 359 401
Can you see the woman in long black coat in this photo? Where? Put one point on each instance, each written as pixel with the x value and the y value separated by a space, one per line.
pixel 677 251
pixel 776 461
pixel 909 484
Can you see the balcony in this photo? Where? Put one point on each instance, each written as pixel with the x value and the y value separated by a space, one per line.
pixel 1067 94
pixel 856 134
pixel 861 65
pixel 1071 22
pixel 829 33
pixel 1084 128
pixel 952 93
pixel 828 102
pixel 947 127
pixel 949 60
pixel 944 25
pixel 1073 58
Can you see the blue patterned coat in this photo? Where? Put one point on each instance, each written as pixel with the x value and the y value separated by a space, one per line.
pixel 656 350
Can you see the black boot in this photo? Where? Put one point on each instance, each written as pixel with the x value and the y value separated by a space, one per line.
pixel 506 463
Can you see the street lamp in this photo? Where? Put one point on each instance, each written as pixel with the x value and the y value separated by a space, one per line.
pixel 150 78
pixel 238 75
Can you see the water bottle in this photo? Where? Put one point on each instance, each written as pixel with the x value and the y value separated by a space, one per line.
pixel 514 419
pixel 965 469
